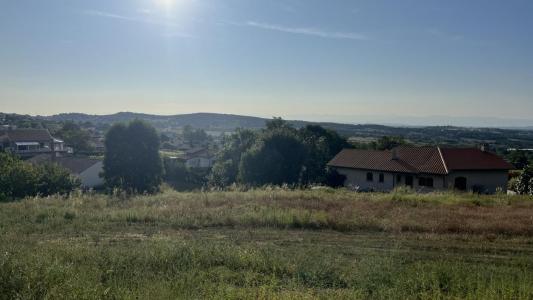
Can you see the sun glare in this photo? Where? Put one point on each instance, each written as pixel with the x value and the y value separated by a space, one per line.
pixel 165 4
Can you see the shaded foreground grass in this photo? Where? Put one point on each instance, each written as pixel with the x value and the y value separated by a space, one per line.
pixel 268 244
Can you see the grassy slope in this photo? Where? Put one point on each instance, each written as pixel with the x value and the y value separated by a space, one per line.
pixel 268 244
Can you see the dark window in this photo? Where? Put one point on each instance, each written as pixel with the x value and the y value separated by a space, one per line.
pixel 381 177
pixel 425 181
pixel 369 176
pixel 399 178
pixel 460 183
pixel 409 180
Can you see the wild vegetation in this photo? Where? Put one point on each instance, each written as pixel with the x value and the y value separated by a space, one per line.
pixel 19 179
pixel 279 154
pixel 268 243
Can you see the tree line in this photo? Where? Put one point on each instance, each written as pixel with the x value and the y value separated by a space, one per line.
pixel 21 179
pixel 279 154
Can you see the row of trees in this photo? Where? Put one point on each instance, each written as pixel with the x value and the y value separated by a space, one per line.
pixel 21 179
pixel 279 154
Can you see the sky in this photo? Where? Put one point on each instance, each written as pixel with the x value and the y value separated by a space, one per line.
pixel 318 60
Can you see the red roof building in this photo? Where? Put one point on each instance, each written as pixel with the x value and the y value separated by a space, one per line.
pixel 424 168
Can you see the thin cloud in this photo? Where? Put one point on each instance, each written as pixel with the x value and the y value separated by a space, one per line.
pixel 308 31
pixel 103 14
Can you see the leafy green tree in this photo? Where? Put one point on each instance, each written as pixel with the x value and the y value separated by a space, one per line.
pixel 182 178
pixel 322 145
pixel 131 159
pixel 19 179
pixel 524 186
pixel 519 159
pixel 277 123
pixel 276 158
pixel 194 136
pixel 54 179
pixel 228 158
pixel 76 137
pixel 389 142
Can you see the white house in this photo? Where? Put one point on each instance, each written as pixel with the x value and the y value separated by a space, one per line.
pixel 198 158
pixel 423 168
pixel 88 170
pixel 30 142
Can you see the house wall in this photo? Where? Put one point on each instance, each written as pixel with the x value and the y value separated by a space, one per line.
pixel 357 178
pixel 489 180
pixel 198 162
pixel 91 177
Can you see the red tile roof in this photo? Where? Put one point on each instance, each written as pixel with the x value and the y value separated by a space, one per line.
pixel 427 160
pixel 27 135
pixel 473 159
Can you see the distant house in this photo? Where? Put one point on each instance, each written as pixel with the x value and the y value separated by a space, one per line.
pixel 30 142
pixel 198 158
pixel 88 170
pixel 423 168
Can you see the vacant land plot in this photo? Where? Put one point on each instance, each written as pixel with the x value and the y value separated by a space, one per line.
pixel 268 244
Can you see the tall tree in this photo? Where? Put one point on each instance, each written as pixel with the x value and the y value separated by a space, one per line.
pixel 322 145
pixel 76 137
pixel 132 160
pixel 518 158
pixel 194 136
pixel 524 185
pixel 389 142
pixel 276 158
pixel 226 167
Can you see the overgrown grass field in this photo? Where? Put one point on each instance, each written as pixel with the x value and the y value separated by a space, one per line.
pixel 268 244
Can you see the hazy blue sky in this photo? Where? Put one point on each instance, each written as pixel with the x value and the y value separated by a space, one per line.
pixel 289 58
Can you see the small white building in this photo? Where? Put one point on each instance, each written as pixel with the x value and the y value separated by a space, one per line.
pixel 88 170
pixel 198 158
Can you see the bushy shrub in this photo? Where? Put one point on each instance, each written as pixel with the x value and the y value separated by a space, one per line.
pixel 334 179
pixel 524 186
pixel 182 178
pixel 55 180
pixel 19 179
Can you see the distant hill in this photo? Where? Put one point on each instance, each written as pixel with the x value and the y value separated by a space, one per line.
pixel 209 121
pixel 432 135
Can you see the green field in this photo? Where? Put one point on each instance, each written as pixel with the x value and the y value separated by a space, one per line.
pixel 267 244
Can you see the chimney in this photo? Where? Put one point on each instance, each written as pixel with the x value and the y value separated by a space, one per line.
pixel 394 154
pixel 484 147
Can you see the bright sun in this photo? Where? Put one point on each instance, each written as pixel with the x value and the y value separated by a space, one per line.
pixel 165 4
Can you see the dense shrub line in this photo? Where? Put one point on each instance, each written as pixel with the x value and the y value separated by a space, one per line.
pixel 19 179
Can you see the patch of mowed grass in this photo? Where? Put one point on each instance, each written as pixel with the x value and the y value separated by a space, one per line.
pixel 201 267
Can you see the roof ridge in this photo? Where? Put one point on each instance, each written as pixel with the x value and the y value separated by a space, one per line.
pixel 443 161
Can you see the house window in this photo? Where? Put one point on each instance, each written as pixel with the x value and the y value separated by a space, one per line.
pixel 399 178
pixel 425 181
pixel 381 177
pixel 369 176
